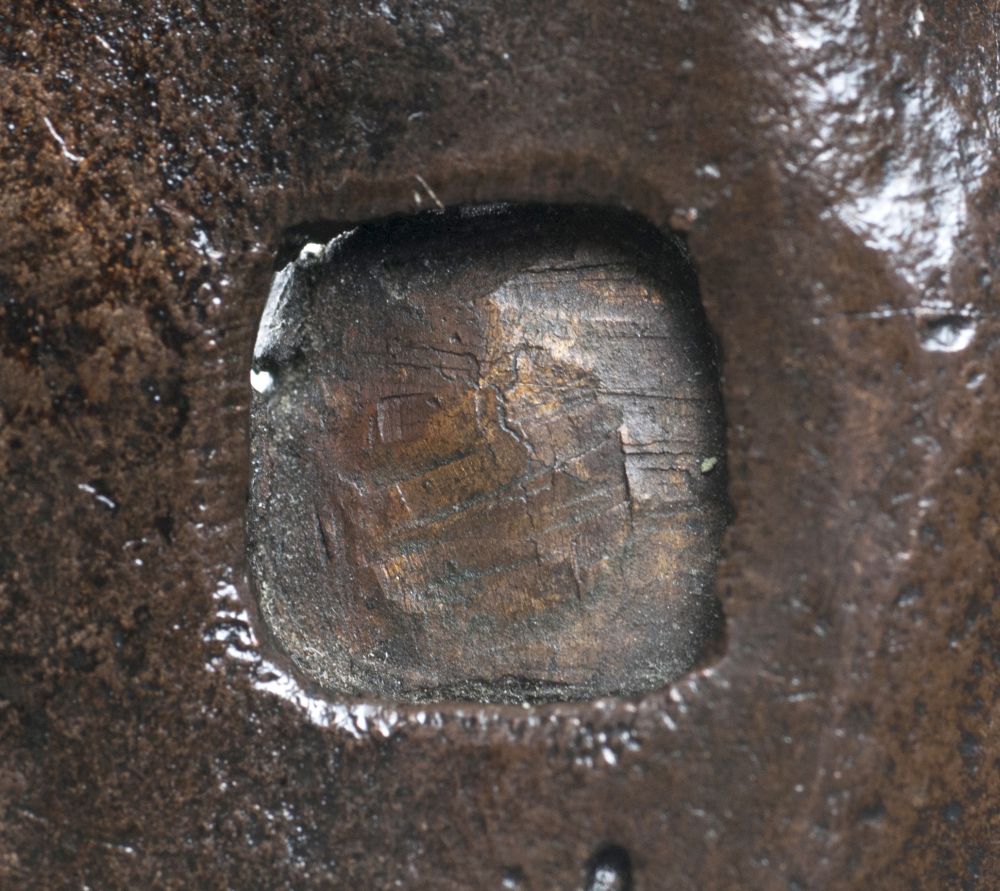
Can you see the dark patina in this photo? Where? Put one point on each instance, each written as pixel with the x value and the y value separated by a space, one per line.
pixel 834 167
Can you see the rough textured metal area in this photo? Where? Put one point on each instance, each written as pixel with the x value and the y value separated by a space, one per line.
pixel 836 168
pixel 487 454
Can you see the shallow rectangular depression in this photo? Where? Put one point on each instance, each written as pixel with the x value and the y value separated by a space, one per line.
pixel 487 458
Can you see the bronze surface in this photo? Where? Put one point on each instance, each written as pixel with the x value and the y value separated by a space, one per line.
pixel 834 167
pixel 486 459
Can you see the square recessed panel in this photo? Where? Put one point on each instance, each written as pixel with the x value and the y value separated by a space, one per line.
pixel 487 458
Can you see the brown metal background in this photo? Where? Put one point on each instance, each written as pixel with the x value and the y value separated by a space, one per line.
pixel 845 738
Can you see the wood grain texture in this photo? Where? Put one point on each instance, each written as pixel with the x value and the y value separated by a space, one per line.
pixel 479 469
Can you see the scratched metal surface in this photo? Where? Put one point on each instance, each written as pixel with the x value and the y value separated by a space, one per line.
pixel 834 167
pixel 478 446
